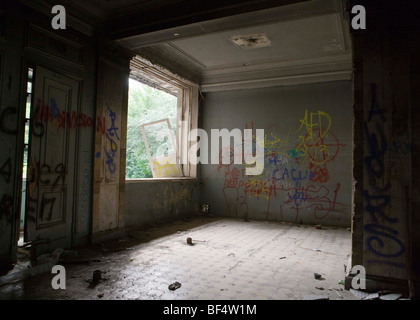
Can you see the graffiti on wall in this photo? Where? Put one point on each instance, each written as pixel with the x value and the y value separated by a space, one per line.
pixel 51 113
pixel 51 179
pixel 296 172
pixel 111 142
pixel 384 240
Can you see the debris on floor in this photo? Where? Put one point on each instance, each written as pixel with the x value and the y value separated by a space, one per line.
pixel 359 294
pixel 372 296
pixel 281 258
pixel 96 279
pixel 42 264
pixel 315 297
pixel 318 226
pixel 174 286
pixel 381 295
pixel 189 241
pixel 318 276
pixel 391 296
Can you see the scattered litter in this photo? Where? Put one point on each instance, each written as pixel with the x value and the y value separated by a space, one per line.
pixel 341 282
pixel 282 258
pixel 100 295
pixel 174 286
pixel 318 276
pixel 391 296
pixel 318 226
pixel 319 288
pixel 231 255
pixel 317 250
pixel 189 241
pixel 315 297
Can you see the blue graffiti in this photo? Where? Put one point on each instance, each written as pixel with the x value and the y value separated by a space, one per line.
pixel 55 111
pixel 390 235
pixel 111 133
pixel 378 198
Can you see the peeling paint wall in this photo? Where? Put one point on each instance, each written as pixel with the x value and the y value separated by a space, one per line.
pixel 110 140
pixel 154 201
pixel 307 154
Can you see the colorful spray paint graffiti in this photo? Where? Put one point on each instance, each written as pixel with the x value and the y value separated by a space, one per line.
pixel 295 173
pixel 62 119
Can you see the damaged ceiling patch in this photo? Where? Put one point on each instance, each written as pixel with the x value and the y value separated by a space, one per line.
pixel 251 41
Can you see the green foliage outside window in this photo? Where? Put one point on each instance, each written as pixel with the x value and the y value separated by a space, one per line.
pixel 145 104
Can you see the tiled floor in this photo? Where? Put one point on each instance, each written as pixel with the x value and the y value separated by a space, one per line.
pixel 229 260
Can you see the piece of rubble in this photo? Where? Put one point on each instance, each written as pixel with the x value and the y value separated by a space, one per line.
pixel 391 296
pixel 372 296
pixel 174 286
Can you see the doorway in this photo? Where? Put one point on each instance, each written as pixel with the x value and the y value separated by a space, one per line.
pixel 49 160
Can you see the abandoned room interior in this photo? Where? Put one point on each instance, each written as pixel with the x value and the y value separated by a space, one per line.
pixel 209 150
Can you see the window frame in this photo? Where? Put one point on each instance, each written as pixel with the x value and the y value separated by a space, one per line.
pixel 187 113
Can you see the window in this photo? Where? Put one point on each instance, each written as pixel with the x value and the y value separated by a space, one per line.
pixel 162 110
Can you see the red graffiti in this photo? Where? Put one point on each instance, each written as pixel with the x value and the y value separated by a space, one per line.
pixel 63 119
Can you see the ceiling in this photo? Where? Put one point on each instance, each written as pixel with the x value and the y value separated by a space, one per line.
pixel 308 42
pixel 304 41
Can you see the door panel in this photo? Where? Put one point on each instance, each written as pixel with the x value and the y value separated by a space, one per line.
pixel 51 158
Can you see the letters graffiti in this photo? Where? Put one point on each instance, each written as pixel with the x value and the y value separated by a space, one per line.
pixel 62 119
pixel 111 146
pixel 46 208
pixel 295 174
pixel 381 229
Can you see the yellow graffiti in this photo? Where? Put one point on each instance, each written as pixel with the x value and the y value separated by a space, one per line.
pixel 312 146
pixel 319 119
pixel 166 169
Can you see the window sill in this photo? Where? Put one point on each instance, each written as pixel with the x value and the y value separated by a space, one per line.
pixel 160 179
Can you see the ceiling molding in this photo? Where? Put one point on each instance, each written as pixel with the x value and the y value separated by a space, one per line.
pixel 278 81
pixel 155 16
pixel 239 21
